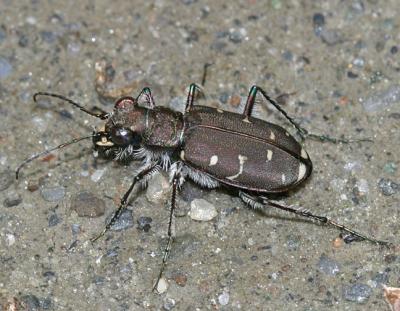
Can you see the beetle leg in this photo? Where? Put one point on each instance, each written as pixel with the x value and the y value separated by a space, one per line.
pixel 149 98
pixel 193 88
pixel 251 98
pixel 175 183
pixel 145 174
pixel 203 79
pixel 260 202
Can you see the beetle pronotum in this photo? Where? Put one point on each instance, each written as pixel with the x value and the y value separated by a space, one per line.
pixel 210 146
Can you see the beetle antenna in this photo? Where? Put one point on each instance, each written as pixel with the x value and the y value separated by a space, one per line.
pixel 203 78
pixel 102 115
pixel 37 155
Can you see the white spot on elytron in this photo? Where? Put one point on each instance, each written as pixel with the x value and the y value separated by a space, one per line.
pixel 220 110
pixel 283 178
pixel 302 171
pixel 303 154
pixel 269 155
pixel 246 120
pixel 182 155
pixel 242 159
pixel 287 134
pixel 272 136
pixel 213 160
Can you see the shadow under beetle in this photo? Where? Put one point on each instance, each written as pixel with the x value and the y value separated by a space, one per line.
pixel 210 146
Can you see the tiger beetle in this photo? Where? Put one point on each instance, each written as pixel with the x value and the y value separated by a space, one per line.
pixel 212 147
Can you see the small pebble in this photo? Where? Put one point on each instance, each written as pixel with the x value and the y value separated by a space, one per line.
pixel 158 189
pixel 352 75
pixel 388 187
pixel 39 124
pixel 392 297
pixel 124 221
pixel 5 68
pixel 86 204
pixel 31 302
pixel 12 199
pixel 33 185
pixel 390 167
pixel 53 220
pixel 48 36
pixel 144 223
pixel 235 101
pixel 318 20
pixel 380 278
pixel 223 299
pixel 180 279
pixel 46 304
pixel 338 242
pixel 10 239
pixel 328 265
pixel 362 186
pixel 169 304
pixel 74 47
pixel 359 62
pixel 331 37
pixel 382 100
pixel 52 194
pixel 357 292
pixel 357 7
pixel 162 286
pixel 96 176
pixel 202 210
pixel 237 36
pixel 75 228
pixel 6 179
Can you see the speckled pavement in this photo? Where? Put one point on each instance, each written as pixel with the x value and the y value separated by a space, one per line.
pixel 334 65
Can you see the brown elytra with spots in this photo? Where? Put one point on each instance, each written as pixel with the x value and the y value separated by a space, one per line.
pixel 246 153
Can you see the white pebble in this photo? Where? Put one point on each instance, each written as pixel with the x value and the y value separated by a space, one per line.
pixel 162 286
pixel 157 189
pixel 202 210
pixel 96 176
pixel 10 238
pixel 223 299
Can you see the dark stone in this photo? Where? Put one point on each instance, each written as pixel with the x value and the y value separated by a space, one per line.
pixel 87 204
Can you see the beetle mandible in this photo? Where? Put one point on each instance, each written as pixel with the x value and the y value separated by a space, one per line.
pixel 212 147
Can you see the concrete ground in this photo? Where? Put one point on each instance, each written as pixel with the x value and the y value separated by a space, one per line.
pixel 334 66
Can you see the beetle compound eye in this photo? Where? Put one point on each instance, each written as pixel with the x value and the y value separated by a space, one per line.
pixel 123 136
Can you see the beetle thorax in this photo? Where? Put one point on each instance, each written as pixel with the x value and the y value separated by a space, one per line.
pixel 164 128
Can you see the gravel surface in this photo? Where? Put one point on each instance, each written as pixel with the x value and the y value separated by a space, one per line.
pixel 333 65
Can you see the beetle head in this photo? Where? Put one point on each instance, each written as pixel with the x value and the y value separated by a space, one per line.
pixel 122 134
